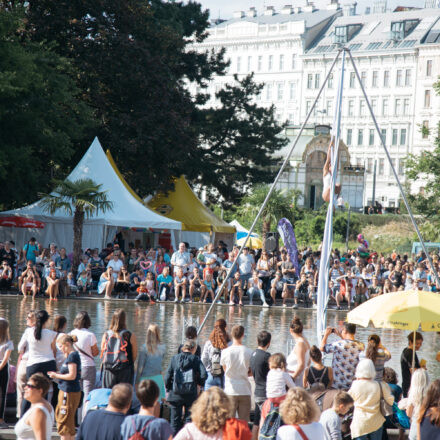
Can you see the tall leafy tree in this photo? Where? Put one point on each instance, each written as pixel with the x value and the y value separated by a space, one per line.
pixel 81 199
pixel 41 117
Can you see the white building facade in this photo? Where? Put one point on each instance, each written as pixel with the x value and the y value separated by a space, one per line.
pixel 290 51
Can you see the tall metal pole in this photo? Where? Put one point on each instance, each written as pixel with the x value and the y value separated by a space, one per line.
pixel 405 200
pixel 374 182
pixel 348 228
pixel 272 187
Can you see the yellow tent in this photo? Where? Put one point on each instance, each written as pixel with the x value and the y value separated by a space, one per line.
pixel 183 205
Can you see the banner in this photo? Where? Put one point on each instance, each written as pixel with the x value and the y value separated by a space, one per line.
pixel 285 230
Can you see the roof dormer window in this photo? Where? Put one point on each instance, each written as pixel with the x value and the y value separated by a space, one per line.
pixel 343 34
pixel 401 29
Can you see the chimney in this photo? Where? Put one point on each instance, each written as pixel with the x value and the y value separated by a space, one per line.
pixel 333 5
pixel 346 10
pixel 367 10
pixel 287 10
pixel 270 10
pixel 353 8
pixel 310 7
pixel 252 12
pixel 238 14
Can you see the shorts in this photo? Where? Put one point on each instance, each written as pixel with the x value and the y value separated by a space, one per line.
pixel 359 299
pixel 257 410
pixel 65 412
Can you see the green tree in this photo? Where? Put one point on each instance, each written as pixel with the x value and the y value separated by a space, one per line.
pixel 81 199
pixel 280 204
pixel 41 117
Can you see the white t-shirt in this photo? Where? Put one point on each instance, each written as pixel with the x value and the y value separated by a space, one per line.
pixel 39 351
pixel 276 383
pixel 314 431
pixel 235 360
pixel 245 263
pixel 86 340
pixel 116 266
pixel 8 345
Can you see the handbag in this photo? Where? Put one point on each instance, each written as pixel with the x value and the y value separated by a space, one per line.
pixel 385 408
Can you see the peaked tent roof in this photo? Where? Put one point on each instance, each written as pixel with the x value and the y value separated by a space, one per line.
pixel 241 230
pixel 183 204
pixel 127 210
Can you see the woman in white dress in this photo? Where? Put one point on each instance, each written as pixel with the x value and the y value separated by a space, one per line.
pixel 106 283
pixel 37 421
pixel 299 358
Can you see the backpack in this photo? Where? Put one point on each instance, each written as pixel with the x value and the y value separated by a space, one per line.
pixel 271 424
pixel 216 368
pixel 115 356
pixel 138 435
pixel 184 382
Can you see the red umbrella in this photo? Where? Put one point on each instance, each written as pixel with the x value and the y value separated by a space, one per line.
pixel 21 222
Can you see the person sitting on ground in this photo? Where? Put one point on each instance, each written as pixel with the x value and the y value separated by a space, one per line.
pixel 106 283
pixel 327 173
pixel 71 285
pixel 331 418
pixel 195 284
pixel 317 375
pixel 276 287
pixel 84 281
pixel 105 424
pixel 164 283
pixel 6 276
pixel 255 287
pixel 147 423
pixel 208 287
pixel 237 285
pixel 361 292
pixel 122 284
pixel 52 285
pixel 30 280
pixel 213 418
pixel 179 285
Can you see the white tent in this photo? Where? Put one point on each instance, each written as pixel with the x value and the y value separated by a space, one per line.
pixel 241 230
pixel 127 211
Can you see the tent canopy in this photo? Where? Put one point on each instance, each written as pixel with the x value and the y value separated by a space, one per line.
pixel 127 210
pixel 183 204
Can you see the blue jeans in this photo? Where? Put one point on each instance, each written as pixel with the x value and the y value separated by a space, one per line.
pixel 254 291
pixel 217 381
pixel 376 435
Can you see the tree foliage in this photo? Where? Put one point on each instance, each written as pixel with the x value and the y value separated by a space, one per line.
pixel 41 118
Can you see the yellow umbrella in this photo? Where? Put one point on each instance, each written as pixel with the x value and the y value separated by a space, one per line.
pixel 252 243
pixel 404 310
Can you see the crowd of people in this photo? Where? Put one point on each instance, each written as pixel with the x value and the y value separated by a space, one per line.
pixel 196 275
pixel 204 392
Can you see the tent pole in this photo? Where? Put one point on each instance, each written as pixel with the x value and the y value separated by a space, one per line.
pixel 405 200
pixel 280 172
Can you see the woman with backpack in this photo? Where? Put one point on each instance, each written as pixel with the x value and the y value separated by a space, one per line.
pixel 149 366
pixel 211 355
pixel 317 375
pixel 118 352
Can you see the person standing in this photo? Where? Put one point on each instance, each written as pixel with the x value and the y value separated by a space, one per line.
pixel 6 347
pixel 246 264
pixel 235 361
pixel 378 354
pixel 180 259
pixel 406 360
pixel 299 358
pixel 69 395
pixel 346 352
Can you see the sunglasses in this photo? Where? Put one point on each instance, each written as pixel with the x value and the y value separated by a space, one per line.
pixel 29 385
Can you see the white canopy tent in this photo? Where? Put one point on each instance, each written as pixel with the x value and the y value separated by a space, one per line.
pixel 241 230
pixel 127 211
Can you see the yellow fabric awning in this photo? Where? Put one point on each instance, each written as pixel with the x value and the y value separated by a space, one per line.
pixel 183 205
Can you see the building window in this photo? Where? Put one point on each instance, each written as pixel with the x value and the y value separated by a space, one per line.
pixel 374 78
pixel 292 91
pixel 406 106
pixel 393 163
pixel 238 64
pixel 270 63
pixel 403 136
pixel 386 78
pixel 329 107
pixel 330 81
pixel 309 81
pixel 425 129
pixel 427 98
pixel 383 135
pixel 352 80
pixel 317 80
pixel 362 107
pixel 249 66
pixel 363 78
pixel 385 107
pixel 260 63
pixel 349 136
pixel 369 165
pixel 381 165
pixel 290 118
pixel 360 137
pixel 308 106
pixel 394 137
pixel 350 108
pixel 374 106
pixel 408 77
pixel 429 68
pixel 268 92
pixel 397 107
pixel 293 61
pixel 280 91
pixel 399 78
pixel 281 63
pixel 401 170
pixel 371 137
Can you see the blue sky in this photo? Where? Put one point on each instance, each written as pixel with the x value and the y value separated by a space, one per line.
pixel 225 8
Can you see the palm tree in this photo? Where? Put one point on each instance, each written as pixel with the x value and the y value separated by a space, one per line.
pixel 280 204
pixel 80 198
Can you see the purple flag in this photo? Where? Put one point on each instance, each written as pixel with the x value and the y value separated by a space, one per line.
pixel 285 230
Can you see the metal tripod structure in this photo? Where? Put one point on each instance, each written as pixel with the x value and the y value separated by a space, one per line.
pixel 342 50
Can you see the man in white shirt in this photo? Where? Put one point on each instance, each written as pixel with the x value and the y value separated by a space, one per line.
pixel 235 361
pixel 246 264
pixel 180 259
pixel 116 264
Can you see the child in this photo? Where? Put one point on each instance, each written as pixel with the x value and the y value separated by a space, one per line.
pixel 179 285
pixel 317 375
pixel 208 286
pixel 149 283
pixel 236 287
pixel 71 286
pixel 6 347
pixel 331 418
pixel 278 378
pixel 84 281
pixel 142 290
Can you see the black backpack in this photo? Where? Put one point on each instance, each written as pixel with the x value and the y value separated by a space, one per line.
pixel 184 381
pixel 216 368
pixel 115 356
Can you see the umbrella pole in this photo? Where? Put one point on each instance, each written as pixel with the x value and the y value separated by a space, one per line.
pixel 414 352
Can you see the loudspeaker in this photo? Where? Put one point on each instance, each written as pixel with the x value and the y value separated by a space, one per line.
pixel 271 242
